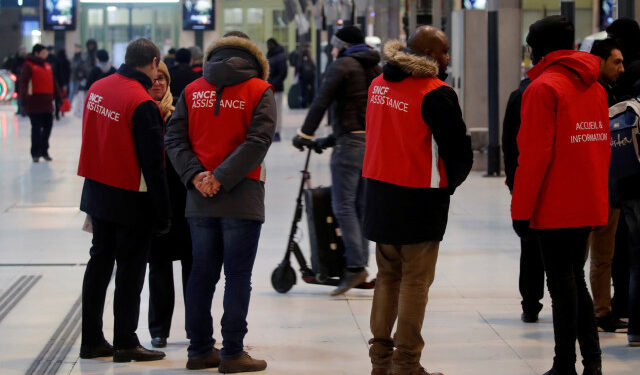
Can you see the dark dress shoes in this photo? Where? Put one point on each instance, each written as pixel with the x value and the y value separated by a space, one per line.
pixel 103 350
pixel 159 342
pixel 139 354
pixel 210 360
pixel 46 157
pixel 529 317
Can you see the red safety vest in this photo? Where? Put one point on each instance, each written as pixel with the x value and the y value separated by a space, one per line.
pixel 213 138
pixel 400 148
pixel 108 154
pixel 41 78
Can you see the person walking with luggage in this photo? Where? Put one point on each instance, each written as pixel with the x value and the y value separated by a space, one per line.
pixel 38 89
pixel 125 193
pixel 277 74
pixel 175 245
pixel 217 140
pixel 560 188
pixel 344 89
pixel 417 153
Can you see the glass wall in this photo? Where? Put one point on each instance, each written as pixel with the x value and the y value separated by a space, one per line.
pixel 113 26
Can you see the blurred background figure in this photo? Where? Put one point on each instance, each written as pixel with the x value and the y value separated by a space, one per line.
pixel 102 69
pixel 277 74
pixel 181 73
pixel 196 59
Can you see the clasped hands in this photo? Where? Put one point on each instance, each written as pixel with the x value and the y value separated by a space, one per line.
pixel 207 184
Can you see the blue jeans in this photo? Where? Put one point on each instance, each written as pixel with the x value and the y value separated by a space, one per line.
pixel 631 212
pixel 347 196
pixel 219 242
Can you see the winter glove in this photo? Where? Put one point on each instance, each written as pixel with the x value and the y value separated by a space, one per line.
pixel 324 143
pixel 521 227
pixel 300 143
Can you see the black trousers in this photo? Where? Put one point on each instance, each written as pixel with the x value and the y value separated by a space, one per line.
pixel 564 253
pixel 620 272
pixel 41 124
pixel 127 247
pixel 162 295
pixel 531 280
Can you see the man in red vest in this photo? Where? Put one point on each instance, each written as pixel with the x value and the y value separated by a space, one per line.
pixel 217 140
pixel 38 89
pixel 417 153
pixel 126 195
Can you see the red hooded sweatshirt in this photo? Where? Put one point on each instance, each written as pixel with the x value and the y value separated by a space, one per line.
pixel 561 179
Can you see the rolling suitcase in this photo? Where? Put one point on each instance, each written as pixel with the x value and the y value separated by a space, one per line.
pixel 327 248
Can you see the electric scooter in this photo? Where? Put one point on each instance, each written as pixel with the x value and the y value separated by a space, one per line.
pixel 284 277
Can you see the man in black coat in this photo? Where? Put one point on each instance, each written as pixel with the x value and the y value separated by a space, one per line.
pixel 181 73
pixel 531 280
pixel 126 195
pixel 277 74
pixel 344 88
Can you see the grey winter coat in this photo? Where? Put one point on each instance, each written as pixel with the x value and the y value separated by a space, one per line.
pixel 230 61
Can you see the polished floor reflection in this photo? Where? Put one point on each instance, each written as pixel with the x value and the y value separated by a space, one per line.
pixel 472 324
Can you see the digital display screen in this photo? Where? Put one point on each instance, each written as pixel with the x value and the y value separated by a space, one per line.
pixel 475 4
pixel 198 15
pixel 59 14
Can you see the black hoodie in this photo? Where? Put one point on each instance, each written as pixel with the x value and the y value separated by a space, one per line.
pixel 345 88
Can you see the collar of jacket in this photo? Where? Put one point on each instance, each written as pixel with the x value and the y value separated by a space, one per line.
pixel 36 60
pixel 134 73
pixel 395 53
pixel 584 64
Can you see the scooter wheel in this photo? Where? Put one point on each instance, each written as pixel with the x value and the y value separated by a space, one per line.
pixel 283 278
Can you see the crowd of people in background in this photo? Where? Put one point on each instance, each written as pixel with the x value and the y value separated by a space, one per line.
pixel 193 208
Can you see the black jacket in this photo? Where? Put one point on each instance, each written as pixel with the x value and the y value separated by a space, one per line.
pixel 277 68
pixel 345 88
pixel 128 207
pixel 181 76
pixel 510 128
pixel 97 74
pixel 403 215
pixel 230 61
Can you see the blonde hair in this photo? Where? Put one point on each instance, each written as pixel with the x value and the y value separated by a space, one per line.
pixel 166 104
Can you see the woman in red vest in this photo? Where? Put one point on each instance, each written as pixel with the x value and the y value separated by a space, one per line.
pixel 38 89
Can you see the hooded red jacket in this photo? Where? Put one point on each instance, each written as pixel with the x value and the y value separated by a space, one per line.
pixel 561 179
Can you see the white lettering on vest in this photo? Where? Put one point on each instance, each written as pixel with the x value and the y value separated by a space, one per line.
pixel 93 104
pixel 378 97
pixel 207 99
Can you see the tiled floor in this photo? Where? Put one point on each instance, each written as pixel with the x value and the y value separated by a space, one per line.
pixel 472 324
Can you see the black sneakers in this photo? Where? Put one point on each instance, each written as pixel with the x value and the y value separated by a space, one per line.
pixel 529 317
pixel 609 323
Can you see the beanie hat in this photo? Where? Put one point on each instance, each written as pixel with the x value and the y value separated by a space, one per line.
pixel 550 34
pixel 102 55
pixel 348 35
pixel 183 55
pixel 627 33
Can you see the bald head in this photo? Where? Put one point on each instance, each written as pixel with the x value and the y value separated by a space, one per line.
pixel 430 41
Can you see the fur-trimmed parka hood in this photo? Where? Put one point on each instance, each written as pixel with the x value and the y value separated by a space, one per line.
pixel 395 52
pixel 232 60
pixel 224 48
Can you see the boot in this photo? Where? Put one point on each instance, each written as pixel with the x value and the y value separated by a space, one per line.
pixel 210 360
pixel 242 363
pixel 350 280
